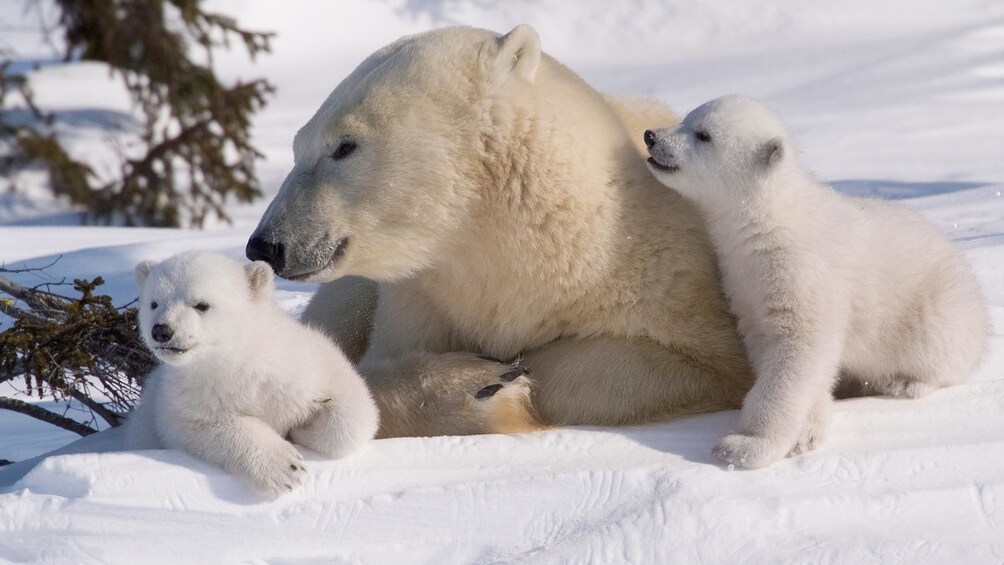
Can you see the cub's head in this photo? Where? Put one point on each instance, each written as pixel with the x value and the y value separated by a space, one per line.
pixel 386 173
pixel 721 150
pixel 196 302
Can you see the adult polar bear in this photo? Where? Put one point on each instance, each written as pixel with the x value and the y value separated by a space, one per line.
pixel 505 209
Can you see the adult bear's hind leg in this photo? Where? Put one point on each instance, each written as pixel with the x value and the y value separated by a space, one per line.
pixel 618 380
pixel 450 394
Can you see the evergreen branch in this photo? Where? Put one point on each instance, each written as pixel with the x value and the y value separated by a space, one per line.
pixel 192 123
pixel 63 347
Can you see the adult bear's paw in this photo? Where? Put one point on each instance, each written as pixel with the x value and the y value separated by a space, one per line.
pixel 458 393
pixel 505 404
pixel 514 375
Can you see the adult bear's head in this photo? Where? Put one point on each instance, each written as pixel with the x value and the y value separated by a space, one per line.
pixel 386 173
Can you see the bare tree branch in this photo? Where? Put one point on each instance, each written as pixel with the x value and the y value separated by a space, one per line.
pixel 44 415
pixel 5 269
pixel 35 299
pixel 107 415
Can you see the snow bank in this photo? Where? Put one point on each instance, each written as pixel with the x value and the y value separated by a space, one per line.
pixel 906 481
pixel 883 100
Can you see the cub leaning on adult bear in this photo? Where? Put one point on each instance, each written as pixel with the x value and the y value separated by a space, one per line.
pixel 823 284
pixel 504 208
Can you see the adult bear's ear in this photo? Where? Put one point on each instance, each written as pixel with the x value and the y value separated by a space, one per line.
pixel 260 280
pixel 143 272
pixel 772 152
pixel 518 55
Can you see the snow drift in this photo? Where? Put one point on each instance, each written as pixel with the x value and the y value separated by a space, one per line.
pixel 883 100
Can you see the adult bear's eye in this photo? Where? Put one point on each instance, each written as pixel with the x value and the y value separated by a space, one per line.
pixel 153 305
pixel 202 307
pixel 343 150
pixel 702 135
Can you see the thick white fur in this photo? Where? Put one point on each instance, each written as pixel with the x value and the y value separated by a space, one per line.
pixel 250 378
pixel 503 207
pixel 821 283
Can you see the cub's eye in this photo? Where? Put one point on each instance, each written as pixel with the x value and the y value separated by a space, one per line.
pixel 201 307
pixel 343 150
pixel 702 135
pixel 153 305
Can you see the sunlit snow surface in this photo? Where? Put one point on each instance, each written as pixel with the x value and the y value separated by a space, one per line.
pixel 889 99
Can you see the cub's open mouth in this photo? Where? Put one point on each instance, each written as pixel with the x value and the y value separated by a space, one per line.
pixel 339 251
pixel 659 166
pixel 173 350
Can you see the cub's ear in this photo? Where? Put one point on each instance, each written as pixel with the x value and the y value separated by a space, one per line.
pixel 260 280
pixel 518 55
pixel 143 272
pixel 772 152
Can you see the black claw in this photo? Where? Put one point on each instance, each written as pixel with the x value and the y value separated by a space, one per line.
pixel 293 467
pixel 488 391
pixel 514 373
pixel 490 358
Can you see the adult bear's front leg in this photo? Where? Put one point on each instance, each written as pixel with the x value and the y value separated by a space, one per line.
pixel 449 394
pixel 344 309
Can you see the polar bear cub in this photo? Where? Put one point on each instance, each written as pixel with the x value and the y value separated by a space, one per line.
pixel 239 375
pixel 823 285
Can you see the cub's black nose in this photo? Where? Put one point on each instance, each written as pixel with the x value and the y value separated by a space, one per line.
pixel 161 333
pixel 272 253
pixel 649 138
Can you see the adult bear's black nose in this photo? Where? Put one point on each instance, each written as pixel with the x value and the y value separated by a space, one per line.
pixel 161 333
pixel 274 254
pixel 649 138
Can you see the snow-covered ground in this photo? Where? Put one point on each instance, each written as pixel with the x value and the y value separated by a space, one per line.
pixel 898 100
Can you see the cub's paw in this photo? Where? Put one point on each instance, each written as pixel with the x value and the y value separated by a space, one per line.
pixel 815 427
pixel 278 471
pixel 749 452
pixel 810 437
pixel 902 388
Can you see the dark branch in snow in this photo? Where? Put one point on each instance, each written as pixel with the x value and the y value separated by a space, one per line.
pixel 44 415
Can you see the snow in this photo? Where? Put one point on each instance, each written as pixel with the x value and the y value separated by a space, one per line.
pixel 884 100
pixel 897 481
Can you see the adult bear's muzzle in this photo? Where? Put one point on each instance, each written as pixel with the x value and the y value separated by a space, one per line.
pixel 297 263
pixel 271 252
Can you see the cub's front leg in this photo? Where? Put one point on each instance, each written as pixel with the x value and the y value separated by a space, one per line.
pixel 140 428
pixel 141 425
pixel 787 409
pixel 243 446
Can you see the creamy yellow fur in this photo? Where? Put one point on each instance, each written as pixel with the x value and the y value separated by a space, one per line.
pixel 527 227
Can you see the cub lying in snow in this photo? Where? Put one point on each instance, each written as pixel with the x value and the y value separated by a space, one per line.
pixel 239 375
pixel 825 286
